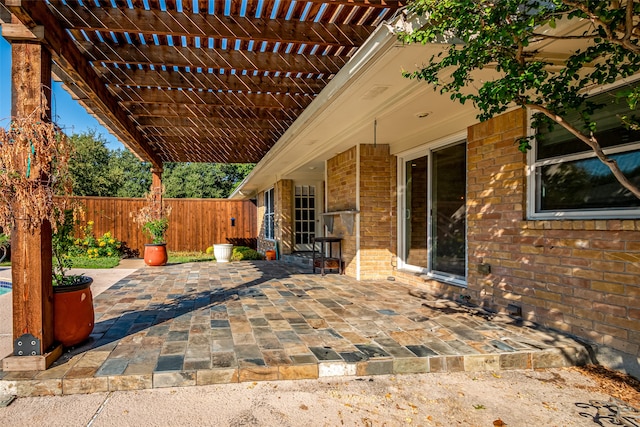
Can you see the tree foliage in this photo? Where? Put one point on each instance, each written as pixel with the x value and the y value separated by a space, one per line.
pixel 132 177
pixel 202 180
pixel 509 35
pixel 89 165
pixel 98 171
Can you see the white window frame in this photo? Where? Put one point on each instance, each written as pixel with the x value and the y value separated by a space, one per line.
pixel 269 217
pixel 533 164
pixel 402 158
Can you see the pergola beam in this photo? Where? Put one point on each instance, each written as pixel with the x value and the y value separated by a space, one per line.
pixel 215 81
pixel 172 23
pixel 68 57
pixel 137 110
pixel 176 56
pixel 250 100
pixel 217 123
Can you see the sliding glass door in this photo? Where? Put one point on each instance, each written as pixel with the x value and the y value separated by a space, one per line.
pixel 434 206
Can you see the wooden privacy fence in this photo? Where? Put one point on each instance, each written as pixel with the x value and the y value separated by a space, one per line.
pixel 194 224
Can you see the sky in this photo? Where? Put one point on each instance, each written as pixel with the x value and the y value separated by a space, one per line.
pixel 67 113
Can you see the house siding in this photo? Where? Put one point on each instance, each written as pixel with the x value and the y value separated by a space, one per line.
pixel 579 276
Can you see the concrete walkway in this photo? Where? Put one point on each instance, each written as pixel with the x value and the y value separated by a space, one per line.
pixel 208 323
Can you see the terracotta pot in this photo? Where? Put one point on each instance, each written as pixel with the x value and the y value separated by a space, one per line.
pixel 155 254
pixel 270 255
pixel 73 316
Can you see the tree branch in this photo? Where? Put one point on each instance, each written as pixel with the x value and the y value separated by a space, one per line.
pixel 626 29
pixel 628 22
pixel 592 142
pixel 551 37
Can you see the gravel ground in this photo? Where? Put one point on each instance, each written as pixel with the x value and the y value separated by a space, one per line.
pixel 556 397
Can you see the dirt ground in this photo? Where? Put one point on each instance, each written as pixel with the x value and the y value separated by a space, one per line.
pixel 556 397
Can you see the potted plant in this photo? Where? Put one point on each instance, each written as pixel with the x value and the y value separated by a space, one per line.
pixel 153 219
pixel 27 190
pixel 73 315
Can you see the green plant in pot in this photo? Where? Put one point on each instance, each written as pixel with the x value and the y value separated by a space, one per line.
pixel 153 219
pixel 72 298
pixel 34 157
pixel 156 230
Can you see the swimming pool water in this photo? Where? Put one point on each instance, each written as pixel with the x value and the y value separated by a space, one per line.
pixel 5 287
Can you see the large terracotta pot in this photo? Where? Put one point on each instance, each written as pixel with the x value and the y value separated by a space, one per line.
pixel 155 254
pixel 73 316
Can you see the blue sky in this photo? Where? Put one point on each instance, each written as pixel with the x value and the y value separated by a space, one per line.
pixel 67 112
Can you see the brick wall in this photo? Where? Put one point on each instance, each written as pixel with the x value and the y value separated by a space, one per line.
pixel 579 276
pixel 284 215
pixel 341 196
pixel 377 193
pixel 378 200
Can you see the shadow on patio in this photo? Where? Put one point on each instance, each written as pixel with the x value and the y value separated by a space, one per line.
pixel 206 323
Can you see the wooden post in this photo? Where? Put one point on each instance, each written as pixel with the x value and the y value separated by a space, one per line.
pixel 31 252
pixel 156 192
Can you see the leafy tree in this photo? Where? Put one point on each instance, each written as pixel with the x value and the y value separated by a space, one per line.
pixel 98 171
pixel 132 176
pixel 89 165
pixel 506 35
pixel 202 180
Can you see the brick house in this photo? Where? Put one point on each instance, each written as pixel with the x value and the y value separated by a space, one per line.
pixel 422 193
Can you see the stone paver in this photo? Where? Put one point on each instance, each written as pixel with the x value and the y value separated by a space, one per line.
pixel 207 323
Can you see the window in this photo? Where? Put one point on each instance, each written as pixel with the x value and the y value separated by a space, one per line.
pixel 570 182
pixel 268 215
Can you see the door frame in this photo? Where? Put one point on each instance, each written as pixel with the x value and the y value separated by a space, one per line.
pixel 402 159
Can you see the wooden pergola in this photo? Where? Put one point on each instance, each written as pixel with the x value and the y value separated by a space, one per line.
pixel 175 81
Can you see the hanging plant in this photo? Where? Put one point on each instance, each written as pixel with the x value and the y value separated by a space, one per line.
pixel 34 158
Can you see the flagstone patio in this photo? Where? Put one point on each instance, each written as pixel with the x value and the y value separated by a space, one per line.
pixel 206 323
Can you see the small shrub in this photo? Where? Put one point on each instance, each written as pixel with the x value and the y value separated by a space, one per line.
pixel 241 253
pixel 90 247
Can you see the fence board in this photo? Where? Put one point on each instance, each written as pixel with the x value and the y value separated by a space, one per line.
pixel 194 224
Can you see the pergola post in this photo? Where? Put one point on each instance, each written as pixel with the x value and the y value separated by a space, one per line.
pixel 31 252
pixel 156 191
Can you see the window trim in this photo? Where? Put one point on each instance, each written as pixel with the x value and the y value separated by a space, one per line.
pixel 269 216
pixel 533 164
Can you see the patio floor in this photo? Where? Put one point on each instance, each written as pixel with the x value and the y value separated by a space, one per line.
pixel 208 323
